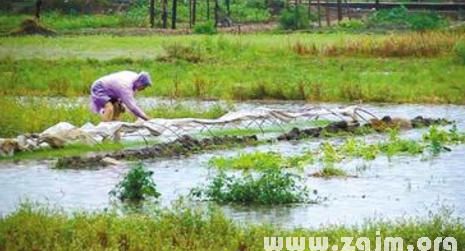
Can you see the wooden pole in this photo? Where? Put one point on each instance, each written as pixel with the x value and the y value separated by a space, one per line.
pixel 339 11
pixel 173 14
pixel 152 13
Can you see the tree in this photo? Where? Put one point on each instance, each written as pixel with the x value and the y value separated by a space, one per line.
pixel 173 14
pixel 38 6
pixel 152 13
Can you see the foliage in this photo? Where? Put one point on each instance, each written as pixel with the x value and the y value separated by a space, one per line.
pixel 249 11
pixel 261 161
pixel 459 51
pixel 272 186
pixel 37 228
pixel 136 186
pixel 295 18
pixel 205 28
pixel 136 16
pixel 353 24
pixel 246 161
pixel 402 17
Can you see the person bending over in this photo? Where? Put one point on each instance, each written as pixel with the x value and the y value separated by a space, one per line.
pixel 110 94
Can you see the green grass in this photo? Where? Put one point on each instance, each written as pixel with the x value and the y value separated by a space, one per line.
pixel 240 67
pixel 188 228
pixel 270 187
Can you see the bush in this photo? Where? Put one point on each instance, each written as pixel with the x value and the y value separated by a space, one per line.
pixel 400 16
pixel 294 18
pixel 136 186
pixel 352 24
pixel 459 50
pixel 205 28
pixel 271 187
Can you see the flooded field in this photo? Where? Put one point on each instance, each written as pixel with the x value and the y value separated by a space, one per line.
pixel 403 186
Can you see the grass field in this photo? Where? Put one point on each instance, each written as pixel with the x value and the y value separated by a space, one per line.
pixel 409 68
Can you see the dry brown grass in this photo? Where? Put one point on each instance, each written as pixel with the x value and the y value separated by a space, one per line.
pixel 425 44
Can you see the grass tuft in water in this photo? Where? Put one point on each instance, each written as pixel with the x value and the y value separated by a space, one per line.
pixel 272 186
pixel 136 186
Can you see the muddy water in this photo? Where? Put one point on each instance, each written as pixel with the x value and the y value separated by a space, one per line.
pixel 401 187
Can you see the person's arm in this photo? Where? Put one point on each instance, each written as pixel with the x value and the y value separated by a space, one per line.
pixel 129 101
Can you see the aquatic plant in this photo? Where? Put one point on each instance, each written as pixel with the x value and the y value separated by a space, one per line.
pixel 330 172
pixel 246 161
pixel 271 186
pixel 136 186
pixel 261 161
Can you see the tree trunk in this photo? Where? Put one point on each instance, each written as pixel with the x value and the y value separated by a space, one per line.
pixel 173 14
pixel 164 15
pixel 194 11
pixel 208 9
pixel 152 13
pixel 339 10
pixel 217 8
pixel 228 7
pixel 38 6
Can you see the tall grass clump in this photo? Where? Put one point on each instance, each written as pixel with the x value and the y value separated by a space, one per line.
pixel 272 186
pixel 409 45
pixel 136 186
pixel 459 50
pixel 207 28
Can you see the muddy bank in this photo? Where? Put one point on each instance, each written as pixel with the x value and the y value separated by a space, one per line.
pixel 186 144
pixel 183 145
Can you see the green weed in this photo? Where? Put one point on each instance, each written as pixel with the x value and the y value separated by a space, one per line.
pixel 272 186
pixel 136 186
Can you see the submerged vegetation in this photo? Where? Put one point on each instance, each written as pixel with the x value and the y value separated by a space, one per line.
pixel 271 186
pixel 184 227
pixel 434 141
